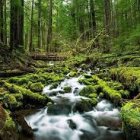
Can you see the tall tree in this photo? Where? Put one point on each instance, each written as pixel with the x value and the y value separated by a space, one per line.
pixel 107 22
pixel 31 27
pixel 16 23
pixel 39 23
pixel 107 14
pixel 92 18
pixel 49 33
pixel 5 21
pixel 1 21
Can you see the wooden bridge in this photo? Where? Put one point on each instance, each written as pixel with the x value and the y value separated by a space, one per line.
pixel 48 56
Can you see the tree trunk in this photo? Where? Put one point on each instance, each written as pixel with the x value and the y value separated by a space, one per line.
pixel 92 19
pixel 107 9
pixel 5 22
pixel 107 15
pixel 31 28
pixel 49 34
pixel 39 24
pixel 1 22
pixel 16 23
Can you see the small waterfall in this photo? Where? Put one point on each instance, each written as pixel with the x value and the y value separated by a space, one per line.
pixel 60 121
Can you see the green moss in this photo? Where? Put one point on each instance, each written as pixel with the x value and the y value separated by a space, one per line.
pixel 110 93
pixel 93 97
pixel 86 91
pixel 130 114
pixel 84 105
pixel 134 63
pixel 54 85
pixel 9 123
pixel 115 85
pixel 87 76
pixel 11 102
pixel 84 81
pixel 19 80
pixel 128 76
pixel 73 74
pixel 18 96
pixel 101 94
pixel 36 87
pixel 90 92
pixel 28 96
pixel 124 93
pixel 9 130
pixel 67 89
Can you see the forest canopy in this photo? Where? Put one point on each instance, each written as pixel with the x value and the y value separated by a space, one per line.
pixel 70 25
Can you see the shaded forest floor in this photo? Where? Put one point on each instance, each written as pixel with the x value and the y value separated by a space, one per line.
pixel 115 77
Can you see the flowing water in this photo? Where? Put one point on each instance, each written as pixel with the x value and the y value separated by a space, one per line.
pixel 62 121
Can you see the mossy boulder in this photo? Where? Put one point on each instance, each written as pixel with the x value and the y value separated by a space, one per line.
pixel 87 90
pixel 110 93
pixel 36 87
pixel 53 86
pixel 11 102
pixel 67 89
pixel 84 105
pixel 84 81
pixel 73 74
pixel 19 80
pixel 130 113
pixel 91 93
pixel 26 96
pixel 128 76
pixel 93 97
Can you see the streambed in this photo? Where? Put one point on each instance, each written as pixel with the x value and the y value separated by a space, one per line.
pixel 67 119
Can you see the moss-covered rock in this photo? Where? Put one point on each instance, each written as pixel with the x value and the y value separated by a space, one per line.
pixel 128 76
pixel 27 96
pixel 36 87
pixel 67 89
pixel 83 106
pixel 93 97
pixel 73 74
pixel 130 113
pixel 53 86
pixel 110 93
pixel 19 80
pixel 11 102
pixel 87 90
pixel 90 92
pixel 84 81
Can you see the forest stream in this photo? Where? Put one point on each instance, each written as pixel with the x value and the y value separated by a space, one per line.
pixel 64 120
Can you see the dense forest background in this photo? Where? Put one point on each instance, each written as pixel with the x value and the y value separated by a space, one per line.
pixel 70 25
